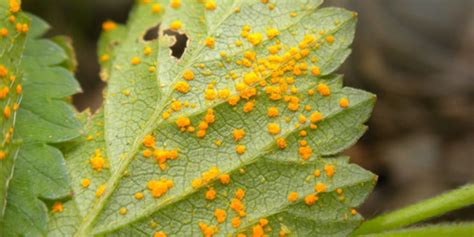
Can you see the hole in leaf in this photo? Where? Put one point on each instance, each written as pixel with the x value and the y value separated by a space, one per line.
pixel 152 33
pixel 178 48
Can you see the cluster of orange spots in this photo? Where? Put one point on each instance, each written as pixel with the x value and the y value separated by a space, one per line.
pixel 57 207
pixel 183 123
pixel 330 170
pixel 85 183
pixel 149 141
pixel 210 42
pixel 176 25
pixel 292 196
pixel 272 33
pixel 272 112
pixel 22 28
pixel 240 149
pixel 7 112
pixel 14 6
pixel 238 134
pixel 273 128
pixel 206 230
pixel 225 179
pixel 237 205
pixel 281 143
pixel 159 187
pixel 210 194
pixel 210 93
pixel 315 71
pixel 109 26
pixel 210 5
pixel 206 177
pixel 315 117
pixel 248 106
pixel 344 103
pixel 161 156
pixel 305 151
pixel 236 222
pixel 182 87
pixel 97 161
pixel 320 187
pixel 220 215
pixel 159 234
pixel 100 190
pixel 3 71
pixel 310 199
pixel 209 118
pixel 257 230
pixel 188 75
pixel 323 89
pixel 4 92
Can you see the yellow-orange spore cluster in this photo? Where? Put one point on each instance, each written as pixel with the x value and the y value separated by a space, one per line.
pixel 159 187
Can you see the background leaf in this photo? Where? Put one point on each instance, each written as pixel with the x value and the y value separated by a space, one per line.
pixel 44 117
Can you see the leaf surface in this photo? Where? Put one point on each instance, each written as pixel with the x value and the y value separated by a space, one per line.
pixel 142 104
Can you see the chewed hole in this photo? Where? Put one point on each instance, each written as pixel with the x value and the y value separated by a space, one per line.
pixel 152 33
pixel 178 48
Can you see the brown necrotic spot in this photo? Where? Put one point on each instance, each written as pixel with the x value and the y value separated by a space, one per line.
pixel 178 48
pixel 152 33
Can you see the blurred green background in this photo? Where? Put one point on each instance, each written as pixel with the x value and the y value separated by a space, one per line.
pixel 416 55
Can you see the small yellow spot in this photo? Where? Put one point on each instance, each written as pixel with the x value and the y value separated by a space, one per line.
pixel 176 25
pixel 238 134
pixel 57 207
pixel 239 194
pixel 310 199
pixel 210 5
pixel 138 196
pixel 272 112
pixel 329 169
pixel 353 211
pixel 85 183
pixel 235 222
pixel 149 141
pixel 100 190
pixel 317 173
pixel 240 149
pixel 3 155
pixel 330 39
pixel 156 8
pixel 225 179
pixel 281 143
pixel 7 112
pixel 188 75
pixel 182 87
pixel 135 61
pixel 152 69
pixel 315 117
pixel 273 128
pixel 272 33
pixel 292 197
pixel 323 89
pixel 209 42
pixel 123 211
pixel 175 4
pixel 255 38
pixel 344 103
pixel 320 188
pixel 104 58
pixel 97 161
pixel 147 51
pixel 315 71
pixel 159 234
pixel 109 26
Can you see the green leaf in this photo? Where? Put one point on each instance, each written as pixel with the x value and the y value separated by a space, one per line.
pixel 138 101
pixel 34 172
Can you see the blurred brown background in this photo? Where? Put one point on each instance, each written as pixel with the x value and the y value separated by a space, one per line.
pixel 416 55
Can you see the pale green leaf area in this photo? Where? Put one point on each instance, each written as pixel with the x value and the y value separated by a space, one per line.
pixel 36 169
pixel 138 98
